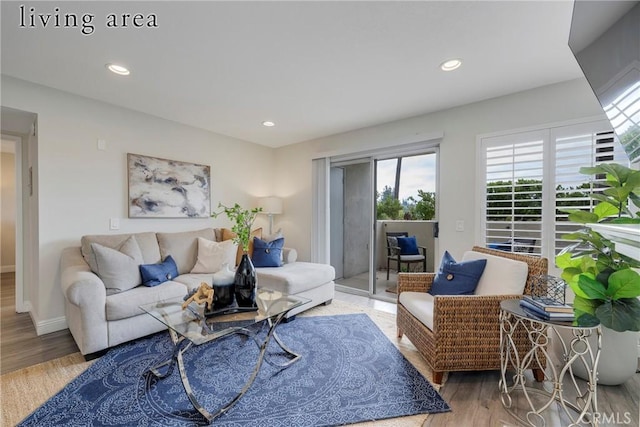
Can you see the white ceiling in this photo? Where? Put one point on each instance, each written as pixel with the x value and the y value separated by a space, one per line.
pixel 315 68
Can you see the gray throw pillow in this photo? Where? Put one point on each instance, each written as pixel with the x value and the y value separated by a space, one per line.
pixel 119 268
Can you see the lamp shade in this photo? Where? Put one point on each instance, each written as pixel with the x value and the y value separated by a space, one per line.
pixel 271 205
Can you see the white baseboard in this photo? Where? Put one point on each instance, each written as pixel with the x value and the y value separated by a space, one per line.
pixel 49 325
pixel 8 269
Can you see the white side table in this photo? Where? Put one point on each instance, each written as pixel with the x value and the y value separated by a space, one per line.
pixel 576 351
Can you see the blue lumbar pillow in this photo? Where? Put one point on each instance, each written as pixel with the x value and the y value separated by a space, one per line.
pixel 457 278
pixel 267 254
pixel 408 245
pixel 154 274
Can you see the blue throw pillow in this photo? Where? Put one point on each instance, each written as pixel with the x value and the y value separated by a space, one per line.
pixel 408 245
pixel 267 254
pixel 154 274
pixel 457 278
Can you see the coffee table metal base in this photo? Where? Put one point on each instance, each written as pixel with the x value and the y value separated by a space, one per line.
pixel 179 350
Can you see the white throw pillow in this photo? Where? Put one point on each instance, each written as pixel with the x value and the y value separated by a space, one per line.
pixel 213 255
pixel 501 276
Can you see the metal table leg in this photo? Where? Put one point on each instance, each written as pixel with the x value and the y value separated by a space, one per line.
pixel 177 357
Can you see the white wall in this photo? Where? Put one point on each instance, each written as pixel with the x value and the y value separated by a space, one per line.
pixel 80 188
pixel 461 125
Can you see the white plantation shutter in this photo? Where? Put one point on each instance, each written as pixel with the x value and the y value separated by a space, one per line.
pixel 577 147
pixel 513 197
pixel 529 176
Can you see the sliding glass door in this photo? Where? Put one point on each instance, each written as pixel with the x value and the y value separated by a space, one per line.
pixel 358 199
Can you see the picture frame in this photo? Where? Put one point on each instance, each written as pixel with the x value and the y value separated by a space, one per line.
pixel 162 188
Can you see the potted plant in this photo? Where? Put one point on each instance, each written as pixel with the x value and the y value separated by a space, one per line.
pixel 605 285
pixel 245 277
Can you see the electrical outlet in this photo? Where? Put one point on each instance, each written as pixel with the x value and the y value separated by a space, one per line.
pixel 102 144
pixel 114 224
pixel 459 225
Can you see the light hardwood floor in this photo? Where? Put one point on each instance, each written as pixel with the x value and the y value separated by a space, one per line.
pixel 19 345
pixel 473 396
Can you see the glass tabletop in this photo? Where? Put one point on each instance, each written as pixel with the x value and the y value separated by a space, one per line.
pixel 192 324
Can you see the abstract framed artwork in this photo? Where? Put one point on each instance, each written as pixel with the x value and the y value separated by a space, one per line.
pixel 161 188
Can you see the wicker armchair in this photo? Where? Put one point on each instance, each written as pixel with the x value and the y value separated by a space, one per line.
pixel 466 329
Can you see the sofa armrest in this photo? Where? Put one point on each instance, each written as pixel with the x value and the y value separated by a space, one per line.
pixel 415 282
pixel 81 286
pixel 289 255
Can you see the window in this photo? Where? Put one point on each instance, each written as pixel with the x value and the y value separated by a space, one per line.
pixel 514 171
pixel 406 187
pixel 573 150
pixel 624 113
pixel 529 177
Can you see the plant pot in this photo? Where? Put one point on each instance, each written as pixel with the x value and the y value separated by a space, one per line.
pixel 618 357
pixel 245 283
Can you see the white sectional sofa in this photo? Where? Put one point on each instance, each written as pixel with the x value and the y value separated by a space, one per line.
pixel 99 317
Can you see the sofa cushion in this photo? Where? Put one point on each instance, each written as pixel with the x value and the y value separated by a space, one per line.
pixel 457 278
pixel 126 304
pixel 501 276
pixel 183 246
pixel 212 256
pixel 295 278
pixel 420 305
pixel 146 241
pixel 118 268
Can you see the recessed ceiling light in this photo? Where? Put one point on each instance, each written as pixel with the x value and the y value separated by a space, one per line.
pixel 118 69
pixel 451 64
pixel 268 124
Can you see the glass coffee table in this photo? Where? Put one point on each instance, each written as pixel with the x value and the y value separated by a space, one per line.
pixel 190 327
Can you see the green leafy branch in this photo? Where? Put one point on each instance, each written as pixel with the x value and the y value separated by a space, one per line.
pixel 242 219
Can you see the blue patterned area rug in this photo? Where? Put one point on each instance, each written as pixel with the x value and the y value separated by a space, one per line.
pixel 349 372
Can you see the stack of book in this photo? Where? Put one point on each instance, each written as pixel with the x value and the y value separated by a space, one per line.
pixel 547 308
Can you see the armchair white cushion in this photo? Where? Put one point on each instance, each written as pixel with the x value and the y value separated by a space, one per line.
pixel 501 276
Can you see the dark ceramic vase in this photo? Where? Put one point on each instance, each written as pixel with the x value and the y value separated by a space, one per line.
pixel 245 283
pixel 223 295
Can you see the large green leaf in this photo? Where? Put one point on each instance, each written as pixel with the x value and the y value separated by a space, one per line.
pixel 587 320
pixel 603 198
pixel 621 315
pixel 586 170
pixel 565 261
pixel 605 210
pixel 588 265
pixel 624 284
pixel 592 288
pixel 618 193
pixel 585 305
pixel 633 180
pixel 582 217
pixel 618 172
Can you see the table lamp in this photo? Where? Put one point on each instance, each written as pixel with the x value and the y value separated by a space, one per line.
pixel 270 206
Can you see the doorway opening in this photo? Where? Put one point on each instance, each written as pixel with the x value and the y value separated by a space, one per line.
pixel 19 205
pixel 370 197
